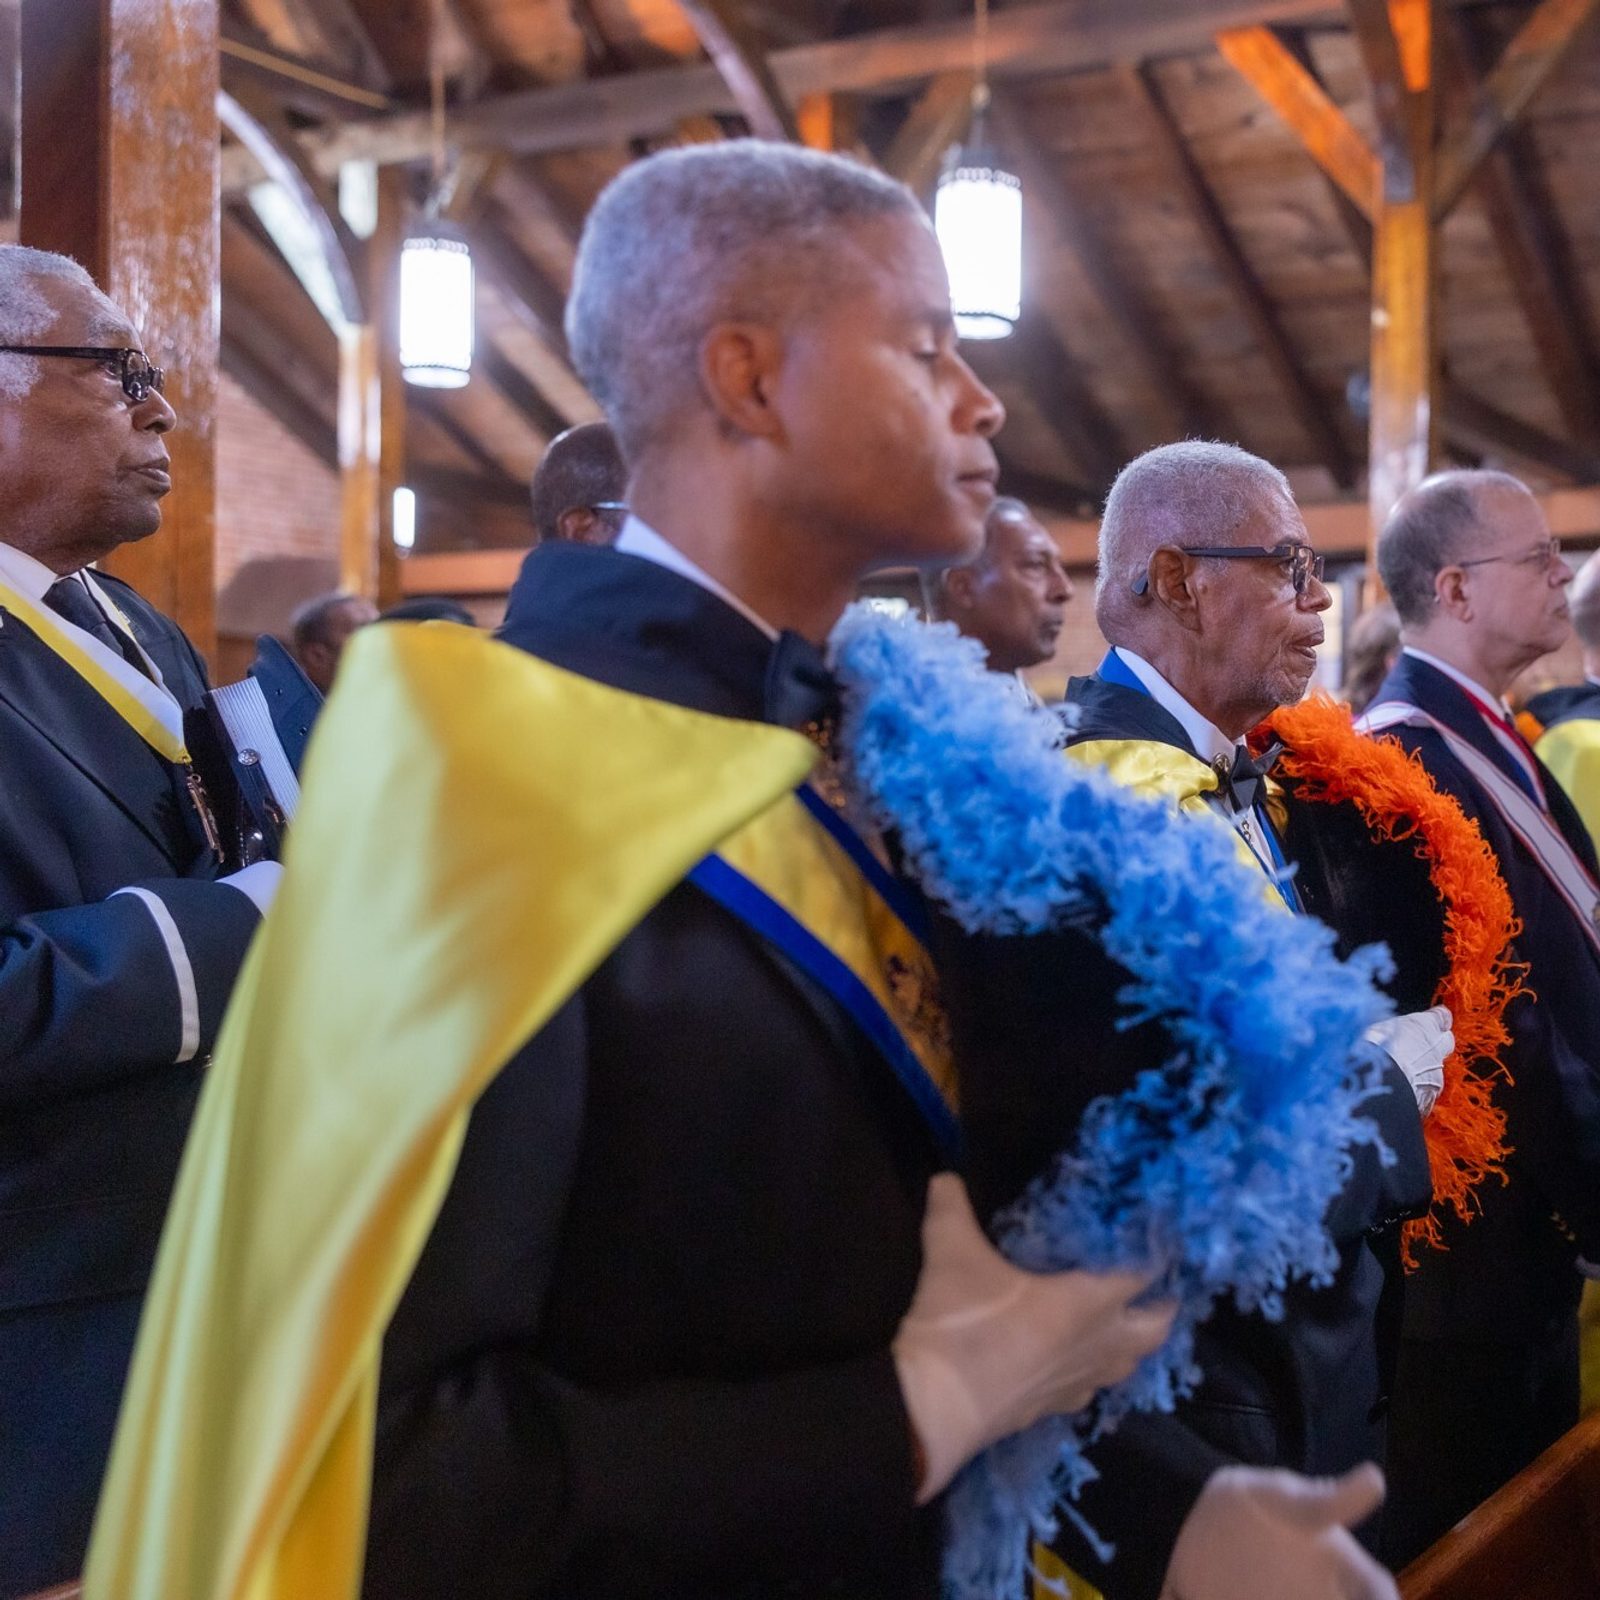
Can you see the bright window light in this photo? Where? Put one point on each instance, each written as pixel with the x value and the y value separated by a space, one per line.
pixel 404 520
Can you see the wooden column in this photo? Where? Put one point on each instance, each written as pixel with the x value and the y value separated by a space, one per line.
pixel 1397 45
pixel 120 169
pixel 372 427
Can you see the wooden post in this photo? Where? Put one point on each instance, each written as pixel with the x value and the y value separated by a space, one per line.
pixel 120 169
pixel 1396 39
pixel 372 413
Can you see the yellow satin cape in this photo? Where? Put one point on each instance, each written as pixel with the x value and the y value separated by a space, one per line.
pixel 479 830
pixel 1571 750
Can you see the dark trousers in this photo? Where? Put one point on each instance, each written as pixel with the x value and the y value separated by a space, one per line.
pixel 1465 1419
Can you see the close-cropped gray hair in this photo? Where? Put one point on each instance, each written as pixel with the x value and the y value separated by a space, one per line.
pixel 1437 524
pixel 26 313
pixel 1583 601
pixel 1196 492
pixel 741 231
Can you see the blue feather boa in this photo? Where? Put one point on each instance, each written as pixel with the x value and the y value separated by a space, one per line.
pixel 1215 1168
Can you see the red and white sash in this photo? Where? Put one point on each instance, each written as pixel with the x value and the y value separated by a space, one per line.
pixel 1545 842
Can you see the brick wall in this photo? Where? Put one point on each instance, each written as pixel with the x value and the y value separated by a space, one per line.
pixel 274 497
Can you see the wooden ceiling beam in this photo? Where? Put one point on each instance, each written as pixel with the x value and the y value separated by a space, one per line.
pixel 306 84
pixel 263 380
pixel 1469 420
pixel 1045 494
pixel 1271 67
pixel 538 304
pixel 1535 51
pixel 1312 412
pixel 1037 40
pixel 1557 319
pixel 739 56
pixel 339 26
pixel 1180 408
pixel 254 118
pixel 521 391
pixel 937 119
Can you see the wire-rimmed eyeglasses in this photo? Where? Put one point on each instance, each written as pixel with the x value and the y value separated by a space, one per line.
pixel 134 370
pixel 1545 554
pixel 1304 562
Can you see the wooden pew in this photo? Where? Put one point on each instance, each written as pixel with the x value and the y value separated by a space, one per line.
pixel 1538 1538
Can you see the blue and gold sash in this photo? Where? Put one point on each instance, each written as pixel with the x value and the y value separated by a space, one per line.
pixel 803 879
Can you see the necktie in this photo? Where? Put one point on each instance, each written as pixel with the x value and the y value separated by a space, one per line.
pixel 799 691
pixel 70 598
pixel 1242 781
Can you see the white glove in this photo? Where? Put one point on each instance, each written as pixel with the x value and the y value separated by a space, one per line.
pixel 987 1348
pixel 1261 1534
pixel 258 882
pixel 1419 1043
pixel 1589 1269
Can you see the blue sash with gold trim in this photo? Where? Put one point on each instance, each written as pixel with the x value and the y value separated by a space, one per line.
pixel 802 878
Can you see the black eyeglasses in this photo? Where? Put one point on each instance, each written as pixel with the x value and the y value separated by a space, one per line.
pixel 138 377
pixel 1304 562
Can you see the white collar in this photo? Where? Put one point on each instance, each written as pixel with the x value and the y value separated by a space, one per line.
pixel 638 538
pixel 29 576
pixel 1471 685
pixel 1208 741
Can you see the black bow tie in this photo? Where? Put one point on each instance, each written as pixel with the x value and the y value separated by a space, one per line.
pixel 1242 781
pixel 799 691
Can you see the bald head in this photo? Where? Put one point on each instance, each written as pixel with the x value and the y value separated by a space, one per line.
pixel 743 231
pixel 1446 519
pixel 1194 493
pixel 578 485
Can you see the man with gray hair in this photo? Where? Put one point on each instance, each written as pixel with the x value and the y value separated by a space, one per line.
pixel 1489 1364
pixel 1570 716
pixel 118 946
pixel 1210 596
pixel 1013 598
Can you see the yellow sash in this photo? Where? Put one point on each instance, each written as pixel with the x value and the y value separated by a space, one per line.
pixel 478 831
pixel 803 878
pixel 129 703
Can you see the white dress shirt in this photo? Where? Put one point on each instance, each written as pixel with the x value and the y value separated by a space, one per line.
pixel 638 538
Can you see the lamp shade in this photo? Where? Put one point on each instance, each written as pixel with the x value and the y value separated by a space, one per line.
pixel 977 215
pixel 436 308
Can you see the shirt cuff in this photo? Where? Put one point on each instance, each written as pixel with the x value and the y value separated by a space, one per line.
pixel 258 882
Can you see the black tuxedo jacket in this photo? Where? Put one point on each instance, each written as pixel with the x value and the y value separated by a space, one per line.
pixel 1509 1276
pixel 94 1100
pixel 646 1348
pixel 1305 1393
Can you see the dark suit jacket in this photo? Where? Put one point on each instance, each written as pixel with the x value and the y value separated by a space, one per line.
pixel 1509 1276
pixel 1564 703
pixel 646 1348
pixel 94 1103
pixel 1305 1393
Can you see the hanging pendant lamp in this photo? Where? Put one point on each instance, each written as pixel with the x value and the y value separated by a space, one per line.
pixel 437 296
pixel 977 216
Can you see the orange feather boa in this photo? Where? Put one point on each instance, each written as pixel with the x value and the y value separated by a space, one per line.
pixel 1396 798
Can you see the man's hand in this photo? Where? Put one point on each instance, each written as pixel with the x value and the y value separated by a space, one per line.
pixel 987 1348
pixel 1419 1043
pixel 1258 1534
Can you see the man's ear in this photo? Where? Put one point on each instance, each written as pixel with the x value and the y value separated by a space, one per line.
pixel 1450 590
pixel 580 525
pixel 1170 572
pixel 739 364
pixel 957 586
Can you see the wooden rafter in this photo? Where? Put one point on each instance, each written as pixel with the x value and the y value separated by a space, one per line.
pixel 313 87
pixel 1557 319
pixel 1535 51
pixel 1467 419
pixel 340 28
pixel 1179 406
pixel 739 56
pixel 521 391
pixel 536 302
pixel 937 118
pixel 260 124
pixel 1276 72
pixel 1311 410
pixel 1037 40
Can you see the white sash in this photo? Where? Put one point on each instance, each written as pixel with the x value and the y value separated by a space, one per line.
pixel 1545 841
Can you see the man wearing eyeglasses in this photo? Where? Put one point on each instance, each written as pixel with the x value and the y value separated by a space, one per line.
pixel 118 947
pixel 1489 1365
pixel 1211 598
